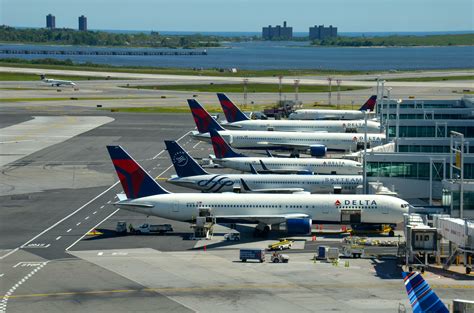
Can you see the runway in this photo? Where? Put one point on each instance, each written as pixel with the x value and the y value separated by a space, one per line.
pixel 52 196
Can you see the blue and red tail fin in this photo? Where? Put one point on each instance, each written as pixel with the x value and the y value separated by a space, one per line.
pixel 136 182
pixel 183 163
pixel 202 118
pixel 221 148
pixel 231 111
pixel 422 298
pixel 369 104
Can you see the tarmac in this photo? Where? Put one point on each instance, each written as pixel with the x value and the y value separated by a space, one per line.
pixel 52 195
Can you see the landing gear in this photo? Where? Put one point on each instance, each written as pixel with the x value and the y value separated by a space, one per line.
pixel 261 230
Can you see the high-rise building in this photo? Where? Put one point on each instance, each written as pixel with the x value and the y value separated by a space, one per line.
pixel 320 32
pixel 277 33
pixel 83 23
pixel 50 21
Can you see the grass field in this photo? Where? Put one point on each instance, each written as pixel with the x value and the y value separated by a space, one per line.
pixel 251 88
pixel 181 71
pixel 431 79
pixel 66 99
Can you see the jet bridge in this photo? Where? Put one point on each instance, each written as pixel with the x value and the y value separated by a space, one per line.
pixel 421 241
pixel 460 234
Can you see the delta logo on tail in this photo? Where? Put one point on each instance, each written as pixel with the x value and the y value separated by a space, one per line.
pixel 369 104
pixel 232 113
pixel 130 176
pixel 422 298
pixel 220 146
pixel 203 120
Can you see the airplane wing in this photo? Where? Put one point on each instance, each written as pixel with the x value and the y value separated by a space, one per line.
pixel 246 188
pixel 267 219
pixel 290 145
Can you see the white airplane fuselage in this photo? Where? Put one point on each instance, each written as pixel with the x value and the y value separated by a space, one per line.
pixel 252 139
pixel 309 183
pixel 318 166
pixel 374 209
pixel 356 126
pixel 326 115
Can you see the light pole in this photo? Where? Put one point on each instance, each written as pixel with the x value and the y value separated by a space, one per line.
pixel 388 112
pixel 245 92
pixel 279 88
pixel 330 85
pixel 364 167
pixel 397 129
pixel 382 89
pixel 297 81
pixel 338 82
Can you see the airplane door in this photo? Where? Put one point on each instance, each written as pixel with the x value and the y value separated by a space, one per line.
pixel 351 217
pixel 384 210
pixel 175 207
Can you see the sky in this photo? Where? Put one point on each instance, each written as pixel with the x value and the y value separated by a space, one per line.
pixel 245 15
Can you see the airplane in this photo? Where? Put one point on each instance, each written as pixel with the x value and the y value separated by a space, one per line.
pixel 227 157
pixel 296 212
pixel 422 298
pixel 315 144
pixel 236 119
pixel 192 175
pixel 56 82
pixel 315 114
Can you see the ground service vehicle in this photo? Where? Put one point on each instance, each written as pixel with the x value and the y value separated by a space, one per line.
pixel 252 254
pixel 280 245
pixel 121 228
pixel 280 258
pixel 153 229
pixel 232 237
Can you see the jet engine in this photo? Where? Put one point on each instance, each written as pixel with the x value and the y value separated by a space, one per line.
pixel 318 150
pixel 300 226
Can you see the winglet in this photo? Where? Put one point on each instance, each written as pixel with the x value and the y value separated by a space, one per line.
pixel 231 111
pixel 253 170
pixel 264 167
pixel 221 148
pixel 422 297
pixel 136 182
pixel 183 163
pixel 369 104
pixel 245 186
pixel 202 118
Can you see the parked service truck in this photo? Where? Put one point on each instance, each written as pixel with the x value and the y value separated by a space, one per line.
pixel 153 229
pixel 252 254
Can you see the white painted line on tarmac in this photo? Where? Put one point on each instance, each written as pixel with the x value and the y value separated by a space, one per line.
pixel 11 252
pixel 95 212
pixel 110 201
pixel 100 253
pixel 63 219
pixel 102 207
pixel 166 170
pixel 153 158
pixel 79 223
pixel 87 217
pixel 97 225
pixel 67 231
pixel 59 237
pixel 1 275
pixel 194 147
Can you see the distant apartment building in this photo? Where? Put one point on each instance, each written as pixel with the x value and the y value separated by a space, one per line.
pixel 82 23
pixel 320 32
pixel 50 21
pixel 277 33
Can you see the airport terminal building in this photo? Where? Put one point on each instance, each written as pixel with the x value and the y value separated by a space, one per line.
pixel 417 165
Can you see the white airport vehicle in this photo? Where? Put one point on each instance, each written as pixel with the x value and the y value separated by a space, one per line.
pixel 153 229
pixel 227 157
pixel 57 82
pixel 319 114
pixel 190 174
pixel 293 212
pixel 279 258
pixel 236 119
pixel 232 237
pixel 313 143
